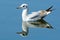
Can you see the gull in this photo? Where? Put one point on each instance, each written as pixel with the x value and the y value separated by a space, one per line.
pixel 35 19
pixel 34 15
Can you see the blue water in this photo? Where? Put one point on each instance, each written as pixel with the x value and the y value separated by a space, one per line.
pixel 11 21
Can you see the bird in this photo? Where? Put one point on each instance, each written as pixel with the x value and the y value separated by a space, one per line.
pixel 33 16
pixel 34 19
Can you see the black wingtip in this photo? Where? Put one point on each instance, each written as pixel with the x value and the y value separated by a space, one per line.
pixel 49 9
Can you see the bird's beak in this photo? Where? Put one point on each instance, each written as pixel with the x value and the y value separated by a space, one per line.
pixel 18 8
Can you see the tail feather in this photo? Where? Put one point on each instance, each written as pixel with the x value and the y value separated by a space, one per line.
pixel 49 9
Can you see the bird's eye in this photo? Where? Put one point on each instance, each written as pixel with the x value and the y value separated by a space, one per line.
pixel 24 6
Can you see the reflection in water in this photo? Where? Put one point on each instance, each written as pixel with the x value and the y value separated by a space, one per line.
pixel 38 24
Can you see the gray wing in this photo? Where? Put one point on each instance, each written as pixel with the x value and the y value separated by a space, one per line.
pixel 35 17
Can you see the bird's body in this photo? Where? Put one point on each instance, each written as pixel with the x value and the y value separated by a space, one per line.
pixel 29 17
pixel 33 16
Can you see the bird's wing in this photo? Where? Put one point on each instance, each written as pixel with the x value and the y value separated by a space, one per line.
pixel 33 15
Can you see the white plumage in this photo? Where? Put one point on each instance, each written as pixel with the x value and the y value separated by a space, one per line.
pixel 34 15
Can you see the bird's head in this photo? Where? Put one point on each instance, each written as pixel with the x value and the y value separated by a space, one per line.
pixel 23 6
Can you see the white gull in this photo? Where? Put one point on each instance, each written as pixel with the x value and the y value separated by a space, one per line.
pixel 34 15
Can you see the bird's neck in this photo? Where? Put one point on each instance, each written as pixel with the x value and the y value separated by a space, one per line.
pixel 24 14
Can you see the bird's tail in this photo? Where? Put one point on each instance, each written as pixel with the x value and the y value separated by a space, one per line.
pixel 50 8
